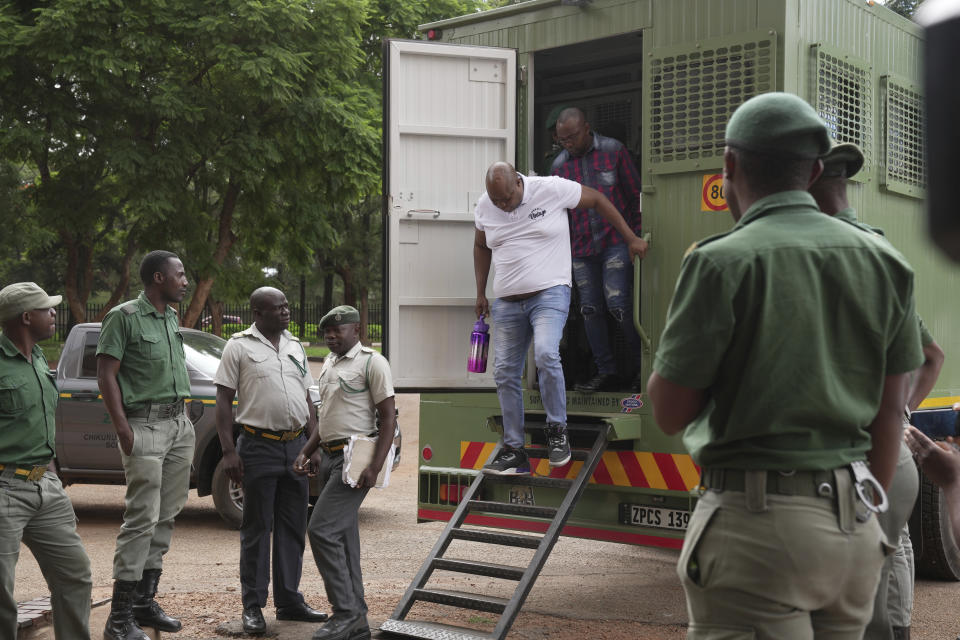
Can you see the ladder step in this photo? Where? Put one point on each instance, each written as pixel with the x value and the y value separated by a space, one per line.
pixel 464 600
pixel 543 452
pixel 431 630
pixel 512 509
pixel 488 569
pixel 532 481
pixel 496 537
pixel 580 427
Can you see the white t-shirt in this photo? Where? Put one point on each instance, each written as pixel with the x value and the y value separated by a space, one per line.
pixel 531 244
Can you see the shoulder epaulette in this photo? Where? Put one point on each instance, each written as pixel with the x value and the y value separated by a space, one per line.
pixel 708 240
pixel 294 338
pixel 690 249
pixel 238 334
pixel 862 226
pixel 368 350
pixel 129 308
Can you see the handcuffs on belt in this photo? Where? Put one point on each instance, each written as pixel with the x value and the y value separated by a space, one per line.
pixel 861 479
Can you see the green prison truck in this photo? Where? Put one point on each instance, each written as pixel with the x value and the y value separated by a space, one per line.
pixel 663 76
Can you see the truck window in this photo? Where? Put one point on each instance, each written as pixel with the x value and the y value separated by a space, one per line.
pixel 88 362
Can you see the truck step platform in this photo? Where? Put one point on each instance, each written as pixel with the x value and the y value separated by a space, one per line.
pixel 508 608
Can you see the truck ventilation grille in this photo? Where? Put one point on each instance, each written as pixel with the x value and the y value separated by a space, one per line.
pixel 843 98
pixel 904 168
pixel 693 92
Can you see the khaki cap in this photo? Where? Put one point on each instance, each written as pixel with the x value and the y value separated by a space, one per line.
pixel 23 296
pixel 779 123
pixel 344 314
pixel 843 153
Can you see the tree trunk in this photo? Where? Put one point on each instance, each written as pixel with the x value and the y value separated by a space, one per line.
pixel 121 288
pixel 364 317
pixel 327 293
pixel 216 317
pixel 78 311
pixel 349 292
pixel 225 240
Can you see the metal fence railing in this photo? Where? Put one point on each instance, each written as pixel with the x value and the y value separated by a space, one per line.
pixel 236 317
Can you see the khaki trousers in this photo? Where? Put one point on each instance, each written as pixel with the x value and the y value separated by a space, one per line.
pixel 41 515
pixel 158 481
pixel 795 569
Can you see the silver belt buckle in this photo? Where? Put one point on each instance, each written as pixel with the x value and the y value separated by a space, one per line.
pixel 861 479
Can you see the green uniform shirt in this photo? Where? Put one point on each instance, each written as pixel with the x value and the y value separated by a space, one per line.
pixel 28 407
pixel 790 322
pixel 150 350
pixel 850 215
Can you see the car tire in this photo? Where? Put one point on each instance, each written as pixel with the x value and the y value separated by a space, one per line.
pixel 227 497
pixel 935 550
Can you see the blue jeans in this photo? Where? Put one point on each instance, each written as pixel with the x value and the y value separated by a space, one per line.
pixel 606 280
pixel 541 318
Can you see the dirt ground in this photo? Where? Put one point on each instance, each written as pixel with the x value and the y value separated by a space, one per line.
pixel 587 589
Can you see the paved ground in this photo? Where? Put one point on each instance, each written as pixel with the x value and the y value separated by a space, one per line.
pixel 587 590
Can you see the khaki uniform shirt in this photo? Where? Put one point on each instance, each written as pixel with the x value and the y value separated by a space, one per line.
pixel 351 386
pixel 150 350
pixel 271 383
pixel 790 322
pixel 28 406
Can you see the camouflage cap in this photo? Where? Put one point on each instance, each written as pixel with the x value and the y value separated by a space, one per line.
pixel 780 123
pixel 843 154
pixel 344 314
pixel 23 296
pixel 553 115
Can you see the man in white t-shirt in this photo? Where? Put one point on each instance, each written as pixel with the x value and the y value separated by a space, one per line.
pixel 523 229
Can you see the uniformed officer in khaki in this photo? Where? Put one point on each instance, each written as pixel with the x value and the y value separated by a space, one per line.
pixel 34 508
pixel 267 366
pixel 141 370
pixel 355 388
pixel 784 362
pixel 893 604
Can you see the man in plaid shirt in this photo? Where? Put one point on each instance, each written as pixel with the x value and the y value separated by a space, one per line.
pixel 602 269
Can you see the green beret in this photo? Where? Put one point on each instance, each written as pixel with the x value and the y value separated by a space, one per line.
pixel 24 296
pixel 846 154
pixel 344 314
pixel 553 115
pixel 780 123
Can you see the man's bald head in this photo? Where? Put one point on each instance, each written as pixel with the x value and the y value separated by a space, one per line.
pixel 573 131
pixel 573 115
pixel 504 186
pixel 264 295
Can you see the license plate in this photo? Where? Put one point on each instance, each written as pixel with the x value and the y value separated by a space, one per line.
pixel 644 516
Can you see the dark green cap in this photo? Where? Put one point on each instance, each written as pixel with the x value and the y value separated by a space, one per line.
pixel 344 314
pixel 780 123
pixel 843 154
pixel 554 114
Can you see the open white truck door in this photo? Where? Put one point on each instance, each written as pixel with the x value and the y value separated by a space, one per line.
pixel 449 113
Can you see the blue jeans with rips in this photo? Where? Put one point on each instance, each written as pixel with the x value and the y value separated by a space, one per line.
pixel 606 280
pixel 542 319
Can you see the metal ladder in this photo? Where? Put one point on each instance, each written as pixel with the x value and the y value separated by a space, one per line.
pixel 525 576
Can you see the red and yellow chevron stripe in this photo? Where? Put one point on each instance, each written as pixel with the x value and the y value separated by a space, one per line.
pixel 645 469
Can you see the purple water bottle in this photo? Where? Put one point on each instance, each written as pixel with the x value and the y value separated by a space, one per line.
pixel 479 343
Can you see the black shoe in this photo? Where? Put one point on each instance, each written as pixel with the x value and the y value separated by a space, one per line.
pixel 558 447
pixel 600 382
pixel 146 610
pixel 344 627
pixel 252 620
pixel 300 612
pixel 120 623
pixel 509 462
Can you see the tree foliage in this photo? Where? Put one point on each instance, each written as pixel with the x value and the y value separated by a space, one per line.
pixel 905 8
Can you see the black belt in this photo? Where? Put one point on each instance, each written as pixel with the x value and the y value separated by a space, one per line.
pixel 808 483
pixel 522 296
pixel 33 473
pixel 276 436
pixel 157 410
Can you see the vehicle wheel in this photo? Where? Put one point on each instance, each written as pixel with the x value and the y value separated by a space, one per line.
pixel 227 497
pixel 935 550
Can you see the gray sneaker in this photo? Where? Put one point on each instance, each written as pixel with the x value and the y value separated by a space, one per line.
pixel 558 446
pixel 509 462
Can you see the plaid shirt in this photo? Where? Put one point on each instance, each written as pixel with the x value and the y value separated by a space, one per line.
pixel 608 168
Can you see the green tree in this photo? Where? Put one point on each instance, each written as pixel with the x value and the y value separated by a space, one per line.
pixel 184 125
pixel 904 7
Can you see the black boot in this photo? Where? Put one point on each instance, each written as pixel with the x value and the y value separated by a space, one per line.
pixel 901 633
pixel 146 610
pixel 120 624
